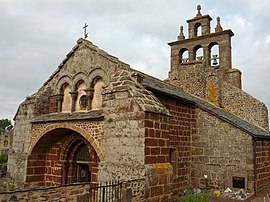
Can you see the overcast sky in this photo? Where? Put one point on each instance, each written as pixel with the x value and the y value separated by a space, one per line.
pixel 36 35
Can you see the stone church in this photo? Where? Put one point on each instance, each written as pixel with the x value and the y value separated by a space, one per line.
pixel 96 119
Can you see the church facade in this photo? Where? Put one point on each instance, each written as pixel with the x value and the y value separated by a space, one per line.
pixel 96 120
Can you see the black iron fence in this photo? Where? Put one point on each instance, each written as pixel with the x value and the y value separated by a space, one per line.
pixel 105 192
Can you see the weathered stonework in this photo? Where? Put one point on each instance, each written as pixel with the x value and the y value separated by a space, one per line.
pixel 91 131
pixel 73 193
pixel 216 151
pixel 97 120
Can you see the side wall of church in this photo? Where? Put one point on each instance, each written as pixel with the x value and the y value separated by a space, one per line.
pixel 123 141
pixel 244 106
pixel 219 149
pixel 182 125
pixel 158 168
pixel 17 159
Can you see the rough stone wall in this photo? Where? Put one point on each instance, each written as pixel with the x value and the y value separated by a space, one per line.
pixel 262 153
pixel 72 193
pixel 190 77
pixel 244 106
pixel 84 62
pixel 21 141
pixel 217 149
pixel 182 126
pixel 123 138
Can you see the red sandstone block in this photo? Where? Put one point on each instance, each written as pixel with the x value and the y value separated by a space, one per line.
pixel 51 157
pixel 164 151
pixel 161 142
pixel 151 142
pixel 53 151
pixel 155 151
pixel 149 124
pixel 30 171
pixel 32 157
pixel 154 117
pixel 35 163
pixel 157 124
pixel 39 170
pixel 47 163
pixel 161 159
pixel 165 134
pixel 150 159
pixel 34 178
pixel 158 133
pixel 147 151
pixel 151 132
pixel 40 157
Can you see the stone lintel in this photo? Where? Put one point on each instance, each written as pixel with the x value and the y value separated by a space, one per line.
pixel 95 114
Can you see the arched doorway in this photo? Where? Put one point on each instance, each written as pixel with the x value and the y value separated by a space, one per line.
pixel 62 156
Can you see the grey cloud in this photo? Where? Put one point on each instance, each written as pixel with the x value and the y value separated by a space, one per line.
pixel 36 36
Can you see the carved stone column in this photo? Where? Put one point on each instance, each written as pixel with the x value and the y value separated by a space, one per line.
pixel 59 100
pixel 74 95
pixel 89 95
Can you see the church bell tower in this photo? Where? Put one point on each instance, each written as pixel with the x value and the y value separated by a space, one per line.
pixel 201 62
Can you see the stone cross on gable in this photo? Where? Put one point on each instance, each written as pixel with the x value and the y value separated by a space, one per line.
pixel 85 33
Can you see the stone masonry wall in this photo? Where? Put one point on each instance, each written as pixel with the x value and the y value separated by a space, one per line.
pixel 243 105
pixel 218 149
pixel 181 127
pixel 90 130
pixel 72 193
pixel 262 153
pixel 123 141
pixel 190 77
pixel 21 142
pixel 158 169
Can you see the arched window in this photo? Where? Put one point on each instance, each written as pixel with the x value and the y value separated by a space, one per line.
pixel 97 96
pixel 183 55
pixel 198 29
pixel 198 52
pixel 83 154
pixel 66 103
pixel 214 54
pixel 81 102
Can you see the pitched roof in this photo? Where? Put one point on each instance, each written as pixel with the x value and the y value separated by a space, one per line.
pixel 162 87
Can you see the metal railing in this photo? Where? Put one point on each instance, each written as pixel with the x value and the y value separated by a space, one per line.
pixel 105 192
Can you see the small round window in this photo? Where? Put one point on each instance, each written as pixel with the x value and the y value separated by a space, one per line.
pixel 83 102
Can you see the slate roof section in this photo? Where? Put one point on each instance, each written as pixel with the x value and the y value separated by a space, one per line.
pixel 162 87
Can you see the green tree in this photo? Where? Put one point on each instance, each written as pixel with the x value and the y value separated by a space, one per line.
pixel 5 125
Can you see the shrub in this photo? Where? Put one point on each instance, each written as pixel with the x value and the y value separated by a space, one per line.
pixel 190 196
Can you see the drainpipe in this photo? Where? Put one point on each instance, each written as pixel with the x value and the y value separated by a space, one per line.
pixel 255 165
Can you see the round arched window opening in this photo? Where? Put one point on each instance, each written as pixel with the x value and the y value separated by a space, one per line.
pixel 83 154
pixel 83 102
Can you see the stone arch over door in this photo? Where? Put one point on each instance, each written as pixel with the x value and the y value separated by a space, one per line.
pixel 61 156
pixel 87 130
